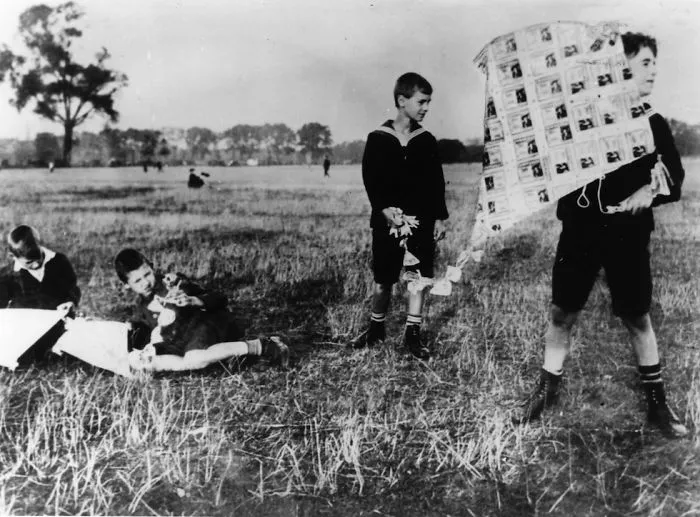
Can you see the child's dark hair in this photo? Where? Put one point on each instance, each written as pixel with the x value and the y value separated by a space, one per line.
pixel 636 41
pixel 128 260
pixel 23 242
pixel 408 84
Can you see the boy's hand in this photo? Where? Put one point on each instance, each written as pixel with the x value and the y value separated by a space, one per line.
pixel 637 202
pixel 67 308
pixel 392 217
pixel 182 300
pixel 439 230
pixel 142 359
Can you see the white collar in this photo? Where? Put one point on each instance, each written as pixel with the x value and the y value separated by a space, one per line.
pixel 403 140
pixel 39 272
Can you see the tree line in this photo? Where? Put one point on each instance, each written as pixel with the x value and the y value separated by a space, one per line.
pixel 266 144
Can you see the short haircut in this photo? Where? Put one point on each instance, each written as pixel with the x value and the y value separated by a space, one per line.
pixel 128 260
pixel 636 41
pixel 408 84
pixel 23 242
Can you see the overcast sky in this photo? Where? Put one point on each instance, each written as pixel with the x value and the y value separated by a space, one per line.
pixel 217 63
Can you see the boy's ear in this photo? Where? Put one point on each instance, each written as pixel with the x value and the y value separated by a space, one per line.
pixel 400 100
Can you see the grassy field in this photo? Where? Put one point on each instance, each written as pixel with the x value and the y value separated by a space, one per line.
pixel 341 432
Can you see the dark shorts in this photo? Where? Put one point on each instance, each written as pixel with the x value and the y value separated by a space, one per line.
pixel 623 253
pixel 387 254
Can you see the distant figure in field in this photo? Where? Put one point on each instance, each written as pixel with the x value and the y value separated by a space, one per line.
pixel 39 278
pixel 177 325
pixel 326 167
pixel 145 166
pixel 51 166
pixel 159 166
pixel 402 173
pixel 194 180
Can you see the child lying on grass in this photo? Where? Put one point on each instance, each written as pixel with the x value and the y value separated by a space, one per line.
pixel 178 325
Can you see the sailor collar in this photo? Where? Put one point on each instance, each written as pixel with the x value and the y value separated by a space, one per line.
pixel 388 127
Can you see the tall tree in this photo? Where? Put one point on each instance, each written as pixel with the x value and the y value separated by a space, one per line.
pixel 315 138
pixel 47 74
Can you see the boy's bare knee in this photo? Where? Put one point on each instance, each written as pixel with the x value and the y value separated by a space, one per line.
pixel 195 359
pixel 382 288
pixel 562 319
pixel 638 324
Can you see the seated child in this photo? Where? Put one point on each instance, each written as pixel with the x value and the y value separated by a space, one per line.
pixel 39 278
pixel 178 325
pixel 196 181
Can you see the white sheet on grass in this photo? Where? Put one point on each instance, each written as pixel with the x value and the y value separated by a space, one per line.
pixel 20 329
pixel 99 343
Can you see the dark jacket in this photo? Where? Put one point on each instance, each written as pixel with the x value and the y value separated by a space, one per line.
pixel 194 181
pixel 409 177
pixel 19 289
pixel 194 327
pixel 623 182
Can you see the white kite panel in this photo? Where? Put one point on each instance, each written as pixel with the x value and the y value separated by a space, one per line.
pixel 99 343
pixel 20 329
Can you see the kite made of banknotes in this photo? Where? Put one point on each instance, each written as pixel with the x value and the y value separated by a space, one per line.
pixel 561 110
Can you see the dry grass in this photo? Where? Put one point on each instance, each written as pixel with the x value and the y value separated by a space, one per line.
pixel 341 433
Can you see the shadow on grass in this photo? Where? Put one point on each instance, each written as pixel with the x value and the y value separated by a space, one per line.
pixel 98 193
pixel 514 254
pixel 296 311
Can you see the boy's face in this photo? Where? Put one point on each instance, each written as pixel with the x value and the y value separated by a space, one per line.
pixel 643 67
pixel 142 280
pixel 30 263
pixel 415 107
